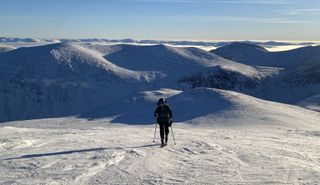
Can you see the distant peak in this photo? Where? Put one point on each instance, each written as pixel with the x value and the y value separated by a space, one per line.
pixel 244 46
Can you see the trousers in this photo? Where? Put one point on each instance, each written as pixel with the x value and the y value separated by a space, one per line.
pixel 164 131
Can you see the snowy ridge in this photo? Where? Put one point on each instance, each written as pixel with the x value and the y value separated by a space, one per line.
pixel 62 61
pixel 258 56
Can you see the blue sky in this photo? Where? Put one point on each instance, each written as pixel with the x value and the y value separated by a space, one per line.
pixel 162 19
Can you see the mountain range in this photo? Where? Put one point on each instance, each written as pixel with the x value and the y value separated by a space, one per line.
pixel 114 81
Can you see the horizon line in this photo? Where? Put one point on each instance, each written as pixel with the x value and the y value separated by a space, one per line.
pixel 176 40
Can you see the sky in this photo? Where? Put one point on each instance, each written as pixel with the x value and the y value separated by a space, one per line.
pixel 296 20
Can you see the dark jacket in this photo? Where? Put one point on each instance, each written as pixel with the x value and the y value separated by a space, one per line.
pixel 163 114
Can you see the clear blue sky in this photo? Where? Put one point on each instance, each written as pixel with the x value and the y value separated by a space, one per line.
pixel 162 19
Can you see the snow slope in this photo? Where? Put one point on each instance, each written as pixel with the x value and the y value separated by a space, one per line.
pixel 237 78
pixel 312 103
pixel 296 80
pixel 209 107
pixel 294 84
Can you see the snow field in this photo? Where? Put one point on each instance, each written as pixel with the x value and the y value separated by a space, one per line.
pixel 97 152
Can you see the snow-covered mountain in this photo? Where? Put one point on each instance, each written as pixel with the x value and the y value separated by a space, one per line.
pixel 63 61
pixel 173 62
pixel 75 78
pixel 61 79
pixel 254 55
pixel 296 72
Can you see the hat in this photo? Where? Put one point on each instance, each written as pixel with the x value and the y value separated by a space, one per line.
pixel 161 101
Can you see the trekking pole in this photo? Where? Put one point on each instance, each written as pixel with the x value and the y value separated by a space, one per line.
pixel 155 130
pixel 173 136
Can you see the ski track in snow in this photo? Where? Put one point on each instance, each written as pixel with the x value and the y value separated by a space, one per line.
pixel 102 153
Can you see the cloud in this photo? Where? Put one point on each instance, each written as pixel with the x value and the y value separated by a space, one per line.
pixel 195 18
pixel 298 11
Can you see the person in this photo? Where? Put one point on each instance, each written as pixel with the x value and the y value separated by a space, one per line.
pixel 163 114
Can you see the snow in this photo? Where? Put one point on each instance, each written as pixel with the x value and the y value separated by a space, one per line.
pixel 62 79
pixel 294 84
pixel 77 151
pixel 255 55
pixel 66 79
pixel 86 114
pixel 312 103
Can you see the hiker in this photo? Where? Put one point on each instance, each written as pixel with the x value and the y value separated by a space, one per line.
pixel 164 119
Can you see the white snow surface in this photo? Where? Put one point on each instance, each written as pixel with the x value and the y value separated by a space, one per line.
pixel 241 140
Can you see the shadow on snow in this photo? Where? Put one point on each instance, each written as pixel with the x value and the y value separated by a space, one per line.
pixel 29 156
